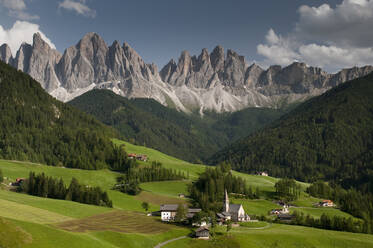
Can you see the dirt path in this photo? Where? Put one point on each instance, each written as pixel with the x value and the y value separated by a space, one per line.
pixel 169 241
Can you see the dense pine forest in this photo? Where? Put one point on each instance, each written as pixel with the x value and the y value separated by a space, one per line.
pixel 49 187
pixel 186 136
pixel 36 127
pixel 329 137
pixel 208 191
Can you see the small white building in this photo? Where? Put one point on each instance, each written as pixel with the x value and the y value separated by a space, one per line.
pixel 284 210
pixel 263 173
pixel 168 212
pixel 327 203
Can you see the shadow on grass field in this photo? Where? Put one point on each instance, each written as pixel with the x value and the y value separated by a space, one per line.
pixel 12 235
pixel 117 221
pixel 18 211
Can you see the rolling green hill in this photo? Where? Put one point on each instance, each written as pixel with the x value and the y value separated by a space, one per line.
pixel 186 136
pixel 329 137
pixel 36 127
pixel 51 223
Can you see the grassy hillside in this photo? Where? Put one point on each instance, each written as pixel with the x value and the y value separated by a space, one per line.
pixel 49 222
pixel 186 136
pixel 280 236
pixel 329 137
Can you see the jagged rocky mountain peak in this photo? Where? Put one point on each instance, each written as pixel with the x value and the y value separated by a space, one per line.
pixel 217 58
pixel 93 38
pixel 215 81
pixel 6 54
pixel 204 55
pixel 38 42
pixel 116 44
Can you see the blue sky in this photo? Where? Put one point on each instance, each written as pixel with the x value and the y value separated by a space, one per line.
pixel 268 31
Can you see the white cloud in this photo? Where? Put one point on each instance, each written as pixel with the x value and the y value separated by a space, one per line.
pixel 278 49
pixel 79 7
pixel 348 24
pixel 332 38
pixel 17 9
pixel 335 57
pixel 14 4
pixel 21 31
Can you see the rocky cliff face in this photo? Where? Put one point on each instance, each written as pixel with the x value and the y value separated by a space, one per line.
pixel 212 81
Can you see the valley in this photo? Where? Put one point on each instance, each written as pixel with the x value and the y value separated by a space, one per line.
pixel 130 227
pixel 196 124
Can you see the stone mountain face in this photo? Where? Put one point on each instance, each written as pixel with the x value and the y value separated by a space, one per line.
pixel 6 54
pixel 214 81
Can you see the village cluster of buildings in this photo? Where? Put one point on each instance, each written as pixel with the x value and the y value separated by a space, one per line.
pixel 262 173
pixel 326 203
pixel 141 157
pixel 279 211
pixel 231 212
pixel 18 182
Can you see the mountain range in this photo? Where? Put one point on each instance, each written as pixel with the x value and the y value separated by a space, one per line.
pixel 216 81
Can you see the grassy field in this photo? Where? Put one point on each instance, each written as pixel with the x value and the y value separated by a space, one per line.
pixel 46 236
pixel 282 236
pixel 306 201
pixel 97 230
pixel 59 207
pixel 166 188
pixel 158 200
pixel 103 178
pixel 156 193
pixel 19 211
pixel 259 224
pixel 49 223
pixel 168 162
pixel 12 235
pixel 317 212
pixel 117 221
pixel 256 207
pixel 266 184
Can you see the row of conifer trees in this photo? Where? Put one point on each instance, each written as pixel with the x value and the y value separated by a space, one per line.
pixel 49 187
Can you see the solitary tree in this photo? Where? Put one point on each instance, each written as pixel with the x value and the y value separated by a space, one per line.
pixel 229 225
pixel 145 206
pixel 180 213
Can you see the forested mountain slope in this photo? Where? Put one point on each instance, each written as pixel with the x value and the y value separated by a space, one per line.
pixel 328 137
pixel 36 127
pixel 190 137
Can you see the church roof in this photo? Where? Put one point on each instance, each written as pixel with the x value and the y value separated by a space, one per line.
pixel 234 208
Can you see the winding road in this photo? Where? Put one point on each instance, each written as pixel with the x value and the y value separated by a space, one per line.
pixel 169 241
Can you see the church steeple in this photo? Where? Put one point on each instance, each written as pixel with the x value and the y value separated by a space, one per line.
pixel 226 202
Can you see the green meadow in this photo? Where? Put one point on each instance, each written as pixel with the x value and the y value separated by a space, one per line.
pixel 279 236
pixel 40 222
pixel 167 188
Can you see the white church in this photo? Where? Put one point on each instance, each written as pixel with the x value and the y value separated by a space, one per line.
pixel 234 212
